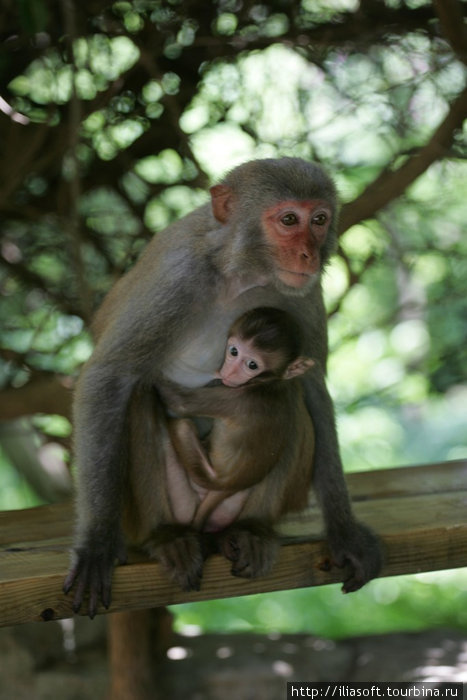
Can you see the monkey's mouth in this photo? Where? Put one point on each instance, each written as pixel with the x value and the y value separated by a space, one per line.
pixel 231 385
pixel 294 279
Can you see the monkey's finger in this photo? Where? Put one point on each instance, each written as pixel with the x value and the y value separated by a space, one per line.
pixel 230 548
pixel 70 579
pixel 105 583
pixel 106 594
pixel 256 553
pixel 74 572
pixel 191 582
pixel 194 571
pixel 96 588
pixel 357 577
pixel 245 556
pixel 245 568
pixel 251 563
pixel 182 559
pixel 79 592
pixel 93 601
pixel 352 584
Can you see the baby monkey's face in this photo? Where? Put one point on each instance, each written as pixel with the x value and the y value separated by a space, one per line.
pixel 243 361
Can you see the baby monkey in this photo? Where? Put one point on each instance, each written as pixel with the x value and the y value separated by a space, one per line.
pixel 252 410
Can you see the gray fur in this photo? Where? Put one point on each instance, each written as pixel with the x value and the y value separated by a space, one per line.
pixel 193 280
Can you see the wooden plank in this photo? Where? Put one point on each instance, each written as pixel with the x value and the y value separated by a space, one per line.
pixel 419 512
pixel 35 524
pixel 440 477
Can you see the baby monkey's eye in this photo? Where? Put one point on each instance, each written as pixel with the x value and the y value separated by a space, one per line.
pixel 251 364
pixel 233 351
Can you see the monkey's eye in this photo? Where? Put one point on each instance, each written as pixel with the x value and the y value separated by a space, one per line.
pixel 320 219
pixel 289 219
pixel 251 364
pixel 233 351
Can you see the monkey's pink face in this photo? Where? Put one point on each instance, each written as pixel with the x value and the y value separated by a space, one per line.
pixel 243 361
pixel 296 231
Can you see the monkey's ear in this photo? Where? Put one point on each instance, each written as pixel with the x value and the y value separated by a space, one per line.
pixel 222 201
pixel 298 367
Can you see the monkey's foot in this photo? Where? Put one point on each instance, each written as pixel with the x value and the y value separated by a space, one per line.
pixel 359 551
pixel 251 546
pixel 179 551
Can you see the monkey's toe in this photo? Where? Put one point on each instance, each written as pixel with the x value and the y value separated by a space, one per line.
pixel 252 549
pixel 180 552
pixel 359 551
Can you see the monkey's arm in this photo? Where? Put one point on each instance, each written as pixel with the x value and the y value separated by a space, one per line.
pixel 210 401
pixel 98 426
pixel 126 352
pixel 191 453
pixel 351 542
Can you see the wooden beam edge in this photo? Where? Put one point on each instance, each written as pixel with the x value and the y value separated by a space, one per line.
pixel 142 584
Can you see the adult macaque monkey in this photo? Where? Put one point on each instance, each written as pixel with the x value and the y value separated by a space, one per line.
pixel 263 240
pixel 250 433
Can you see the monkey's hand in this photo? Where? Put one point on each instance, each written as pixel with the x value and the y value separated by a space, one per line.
pixel 91 573
pixel 359 550
pixel 251 546
pixel 209 401
pixel 179 550
pixel 172 395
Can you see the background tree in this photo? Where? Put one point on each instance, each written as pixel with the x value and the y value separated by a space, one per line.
pixel 116 116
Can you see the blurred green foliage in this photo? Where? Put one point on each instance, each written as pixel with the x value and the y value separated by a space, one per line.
pixel 166 100
pixel 387 605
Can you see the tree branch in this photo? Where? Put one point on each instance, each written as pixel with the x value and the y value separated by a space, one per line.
pixel 391 184
pixel 451 17
pixel 42 395
pixel 72 218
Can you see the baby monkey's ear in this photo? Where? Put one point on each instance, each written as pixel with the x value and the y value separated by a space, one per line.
pixel 298 367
